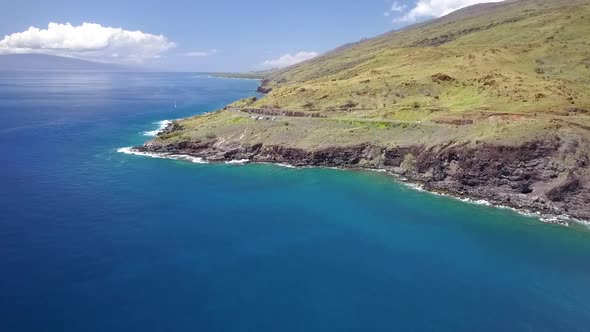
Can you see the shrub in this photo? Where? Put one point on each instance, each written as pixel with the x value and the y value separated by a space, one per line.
pixel 308 106
pixel 350 104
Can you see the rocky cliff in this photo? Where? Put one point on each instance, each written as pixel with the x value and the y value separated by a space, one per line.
pixel 550 176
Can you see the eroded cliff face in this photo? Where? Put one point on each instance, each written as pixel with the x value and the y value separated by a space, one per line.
pixel 548 175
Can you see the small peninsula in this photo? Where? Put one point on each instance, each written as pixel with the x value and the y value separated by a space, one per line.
pixel 489 102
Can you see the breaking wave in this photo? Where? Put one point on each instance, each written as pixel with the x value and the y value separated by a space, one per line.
pixel 184 157
pixel 161 126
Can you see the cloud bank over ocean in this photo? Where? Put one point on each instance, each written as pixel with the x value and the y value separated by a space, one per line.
pixel 89 41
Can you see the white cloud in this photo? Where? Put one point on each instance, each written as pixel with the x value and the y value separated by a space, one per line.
pixel 200 53
pixel 435 8
pixel 88 41
pixel 289 59
pixel 397 7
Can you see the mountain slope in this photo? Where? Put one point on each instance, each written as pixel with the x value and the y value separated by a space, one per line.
pixel 499 57
pixel 491 101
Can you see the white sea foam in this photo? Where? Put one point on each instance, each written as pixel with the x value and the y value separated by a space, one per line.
pixel 558 219
pixel 238 161
pixel 414 186
pixel 195 160
pixel 476 201
pixel 378 170
pixel 130 150
pixel 161 126
pixel 285 165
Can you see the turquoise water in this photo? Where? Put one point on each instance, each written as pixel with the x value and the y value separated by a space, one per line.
pixel 96 240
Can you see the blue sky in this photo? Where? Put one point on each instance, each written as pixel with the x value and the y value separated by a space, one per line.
pixel 204 35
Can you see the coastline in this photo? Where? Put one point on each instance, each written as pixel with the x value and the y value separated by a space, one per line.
pixel 245 76
pixel 542 215
pixel 523 177
pixel 230 78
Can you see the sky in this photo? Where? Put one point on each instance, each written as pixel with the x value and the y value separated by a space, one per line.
pixel 204 35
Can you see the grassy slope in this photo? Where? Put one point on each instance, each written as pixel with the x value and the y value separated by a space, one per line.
pixel 510 72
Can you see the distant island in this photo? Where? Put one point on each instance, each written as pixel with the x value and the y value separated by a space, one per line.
pixel 44 62
pixel 489 102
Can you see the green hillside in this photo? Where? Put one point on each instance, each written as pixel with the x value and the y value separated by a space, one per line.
pixel 489 72
pixel 521 56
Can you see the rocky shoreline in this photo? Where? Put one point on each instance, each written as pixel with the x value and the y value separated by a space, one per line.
pixel 548 176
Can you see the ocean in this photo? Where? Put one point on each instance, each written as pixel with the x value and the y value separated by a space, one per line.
pixel 93 239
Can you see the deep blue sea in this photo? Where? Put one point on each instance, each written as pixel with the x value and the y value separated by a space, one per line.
pixel 96 240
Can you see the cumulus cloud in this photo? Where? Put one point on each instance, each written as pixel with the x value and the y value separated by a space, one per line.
pixel 289 59
pixel 397 7
pixel 87 41
pixel 200 53
pixel 434 8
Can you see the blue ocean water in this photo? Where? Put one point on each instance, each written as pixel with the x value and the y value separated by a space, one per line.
pixel 96 240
